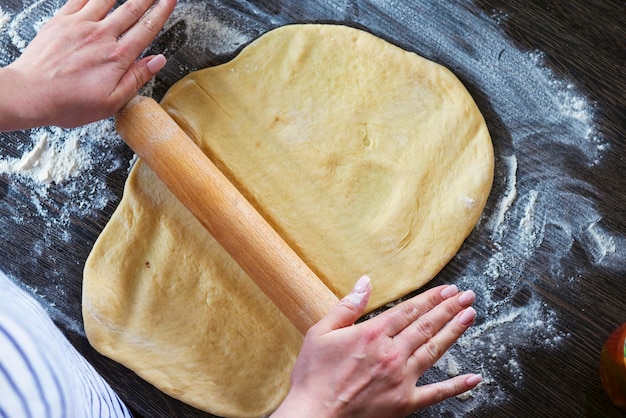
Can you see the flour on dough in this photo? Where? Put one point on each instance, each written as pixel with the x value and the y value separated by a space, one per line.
pixel 361 155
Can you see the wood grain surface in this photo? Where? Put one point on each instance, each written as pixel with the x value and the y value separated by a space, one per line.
pixel 580 44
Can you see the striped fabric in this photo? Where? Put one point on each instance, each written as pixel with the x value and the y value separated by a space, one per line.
pixel 41 374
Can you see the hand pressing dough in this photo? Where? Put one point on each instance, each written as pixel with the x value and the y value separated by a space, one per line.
pixel 367 159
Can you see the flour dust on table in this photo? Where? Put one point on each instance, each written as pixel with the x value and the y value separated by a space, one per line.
pixel 4 19
pixel 56 176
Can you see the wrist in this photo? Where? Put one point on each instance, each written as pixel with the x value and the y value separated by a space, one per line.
pixel 18 107
pixel 301 407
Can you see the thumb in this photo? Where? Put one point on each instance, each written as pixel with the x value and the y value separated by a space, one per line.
pixel 138 75
pixel 349 309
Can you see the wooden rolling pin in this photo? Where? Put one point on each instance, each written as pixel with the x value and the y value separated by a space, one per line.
pixel 199 185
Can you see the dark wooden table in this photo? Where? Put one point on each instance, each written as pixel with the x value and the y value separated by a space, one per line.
pixel 547 260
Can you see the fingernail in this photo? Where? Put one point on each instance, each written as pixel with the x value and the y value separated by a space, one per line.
pixel 156 64
pixel 467 316
pixel 358 292
pixel 467 298
pixel 361 284
pixel 473 380
pixel 449 291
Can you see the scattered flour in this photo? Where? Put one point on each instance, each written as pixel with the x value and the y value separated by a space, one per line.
pixel 509 194
pixel 448 364
pixel 4 19
pixel 62 176
pixel 207 33
pixel 25 25
pixel 46 163
pixel 67 163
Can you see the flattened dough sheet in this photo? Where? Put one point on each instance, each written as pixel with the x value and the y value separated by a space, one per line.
pixel 367 159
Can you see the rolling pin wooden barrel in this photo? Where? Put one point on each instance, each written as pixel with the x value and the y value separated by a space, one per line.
pixel 219 206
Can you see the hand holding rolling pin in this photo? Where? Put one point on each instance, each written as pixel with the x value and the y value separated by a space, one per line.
pixel 82 66
pixel 370 369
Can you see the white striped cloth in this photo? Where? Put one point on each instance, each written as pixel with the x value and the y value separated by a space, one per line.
pixel 41 373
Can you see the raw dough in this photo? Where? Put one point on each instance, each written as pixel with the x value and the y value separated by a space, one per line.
pixel 366 158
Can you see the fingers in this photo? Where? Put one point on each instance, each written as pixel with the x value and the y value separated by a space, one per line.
pixel 433 333
pixel 128 14
pixel 400 316
pixel 423 327
pixel 429 323
pixel 427 395
pixel 349 309
pixel 141 23
pixel 431 350
pixel 71 7
pixel 95 10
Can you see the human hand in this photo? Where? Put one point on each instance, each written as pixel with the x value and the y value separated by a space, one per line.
pixel 81 66
pixel 370 369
